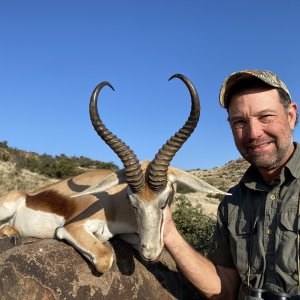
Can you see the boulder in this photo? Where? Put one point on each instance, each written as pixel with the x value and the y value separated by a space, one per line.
pixel 51 269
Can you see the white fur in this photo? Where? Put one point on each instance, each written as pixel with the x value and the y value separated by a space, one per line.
pixel 34 223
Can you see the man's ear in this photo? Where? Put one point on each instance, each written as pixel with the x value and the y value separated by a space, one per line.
pixel 292 114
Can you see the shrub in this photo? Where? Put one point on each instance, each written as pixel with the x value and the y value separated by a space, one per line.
pixel 193 224
pixel 3 144
pixel 65 167
pixel 4 157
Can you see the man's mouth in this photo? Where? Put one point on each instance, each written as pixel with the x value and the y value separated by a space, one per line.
pixel 259 147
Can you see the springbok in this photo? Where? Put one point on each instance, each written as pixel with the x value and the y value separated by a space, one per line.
pixel 87 210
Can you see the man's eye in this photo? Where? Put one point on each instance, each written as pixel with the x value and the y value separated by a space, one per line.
pixel 238 124
pixel 266 118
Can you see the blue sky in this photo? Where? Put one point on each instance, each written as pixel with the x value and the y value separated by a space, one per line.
pixel 53 54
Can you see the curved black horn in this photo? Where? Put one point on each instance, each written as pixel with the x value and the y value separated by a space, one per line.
pixel 135 178
pixel 158 168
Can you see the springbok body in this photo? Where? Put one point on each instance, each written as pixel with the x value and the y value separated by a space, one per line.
pixel 89 209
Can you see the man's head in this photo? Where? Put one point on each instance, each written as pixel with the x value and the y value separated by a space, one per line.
pixel 261 115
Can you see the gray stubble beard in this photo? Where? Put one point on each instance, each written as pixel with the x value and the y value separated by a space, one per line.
pixel 274 159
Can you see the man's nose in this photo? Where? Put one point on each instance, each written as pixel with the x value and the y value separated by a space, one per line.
pixel 254 129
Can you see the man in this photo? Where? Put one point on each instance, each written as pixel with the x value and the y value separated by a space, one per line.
pixel 255 250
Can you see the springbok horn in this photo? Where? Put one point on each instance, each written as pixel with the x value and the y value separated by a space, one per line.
pixel 135 178
pixel 157 176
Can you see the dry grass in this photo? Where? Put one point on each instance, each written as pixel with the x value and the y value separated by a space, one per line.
pixel 11 178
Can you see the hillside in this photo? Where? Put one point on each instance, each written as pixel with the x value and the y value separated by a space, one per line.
pixel 225 176
pixel 222 178
pixel 13 178
pixel 58 167
pixel 29 171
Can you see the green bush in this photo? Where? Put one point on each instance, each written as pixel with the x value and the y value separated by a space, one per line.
pixel 193 224
pixel 4 157
pixel 3 145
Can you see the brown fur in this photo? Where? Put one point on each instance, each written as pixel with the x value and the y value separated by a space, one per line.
pixel 147 194
pixel 51 201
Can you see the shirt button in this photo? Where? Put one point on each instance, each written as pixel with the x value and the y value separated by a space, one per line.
pixel 269 231
pixel 272 267
pixel 272 197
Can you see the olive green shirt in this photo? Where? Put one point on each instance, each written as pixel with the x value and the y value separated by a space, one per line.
pixel 258 229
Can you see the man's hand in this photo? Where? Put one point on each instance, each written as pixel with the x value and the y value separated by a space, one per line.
pixel 169 225
pixel 212 281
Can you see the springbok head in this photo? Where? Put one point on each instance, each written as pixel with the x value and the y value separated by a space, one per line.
pixel 150 185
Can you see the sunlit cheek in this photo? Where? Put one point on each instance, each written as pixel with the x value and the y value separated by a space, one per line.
pixel 286 131
pixel 278 125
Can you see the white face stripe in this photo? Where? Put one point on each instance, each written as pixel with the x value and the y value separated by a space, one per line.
pixel 150 221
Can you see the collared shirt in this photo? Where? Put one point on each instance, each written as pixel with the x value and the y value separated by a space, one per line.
pixel 258 229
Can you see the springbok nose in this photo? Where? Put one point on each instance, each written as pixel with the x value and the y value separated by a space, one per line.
pixel 150 252
pixel 145 247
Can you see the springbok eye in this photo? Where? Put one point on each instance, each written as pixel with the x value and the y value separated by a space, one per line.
pixel 134 205
pixel 163 206
pixel 133 202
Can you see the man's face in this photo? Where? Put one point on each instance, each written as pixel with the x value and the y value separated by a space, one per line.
pixel 262 127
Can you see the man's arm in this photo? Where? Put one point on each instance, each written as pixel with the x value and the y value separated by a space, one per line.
pixel 214 282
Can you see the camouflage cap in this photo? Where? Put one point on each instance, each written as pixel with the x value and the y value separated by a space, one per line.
pixel 268 77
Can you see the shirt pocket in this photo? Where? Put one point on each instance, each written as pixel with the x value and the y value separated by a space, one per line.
pixel 286 242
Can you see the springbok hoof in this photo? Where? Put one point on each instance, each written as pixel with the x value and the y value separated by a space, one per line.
pixel 12 234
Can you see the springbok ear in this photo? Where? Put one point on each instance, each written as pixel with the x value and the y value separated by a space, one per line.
pixel 106 183
pixel 179 176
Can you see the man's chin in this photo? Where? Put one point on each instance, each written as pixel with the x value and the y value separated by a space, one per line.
pixel 261 161
pixel 266 164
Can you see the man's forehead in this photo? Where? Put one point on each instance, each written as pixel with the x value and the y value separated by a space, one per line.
pixel 255 99
pixel 256 90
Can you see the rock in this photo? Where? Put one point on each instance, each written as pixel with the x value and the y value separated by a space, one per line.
pixel 50 269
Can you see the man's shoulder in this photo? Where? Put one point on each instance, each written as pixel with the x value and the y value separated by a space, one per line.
pixel 234 191
pixel 233 200
pixel 234 208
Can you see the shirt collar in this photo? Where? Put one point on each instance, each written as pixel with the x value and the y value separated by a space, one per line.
pixel 253 179
pixel 293 164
